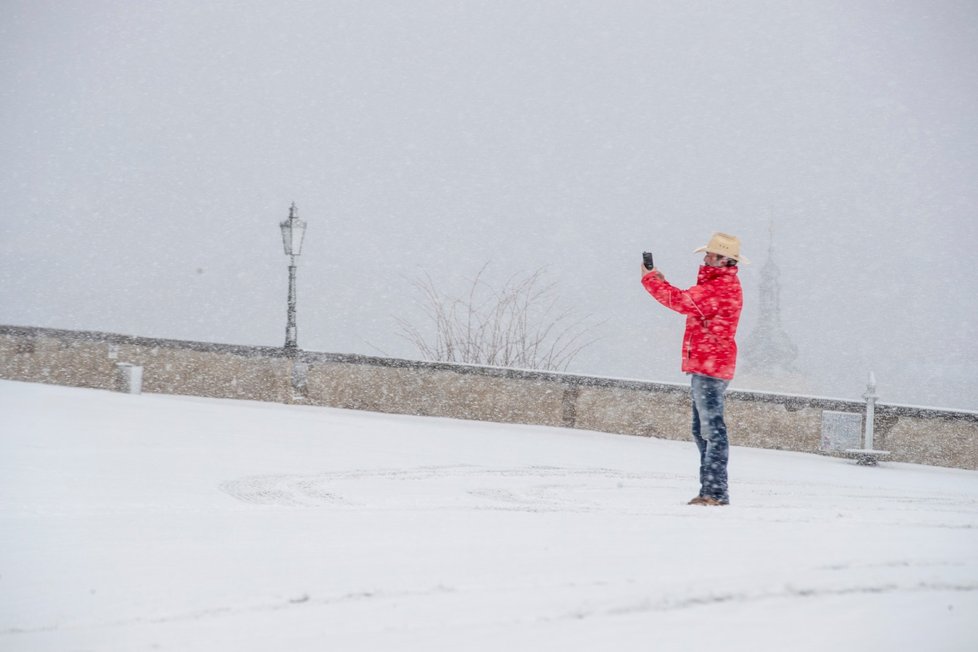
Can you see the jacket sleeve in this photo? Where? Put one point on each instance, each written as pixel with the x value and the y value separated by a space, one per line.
pixel 697 301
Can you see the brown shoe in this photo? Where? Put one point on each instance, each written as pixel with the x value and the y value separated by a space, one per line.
pixel 708 501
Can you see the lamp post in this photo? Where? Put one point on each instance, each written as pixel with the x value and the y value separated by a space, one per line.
pixel 868 455
pixel 870 395
pixel 293 230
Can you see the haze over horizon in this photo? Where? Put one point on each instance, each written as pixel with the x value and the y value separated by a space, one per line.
pixel 148 152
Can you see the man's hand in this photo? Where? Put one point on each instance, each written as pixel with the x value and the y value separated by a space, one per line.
pixel 655 271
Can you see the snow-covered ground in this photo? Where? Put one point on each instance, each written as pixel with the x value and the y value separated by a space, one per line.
pixel 174 523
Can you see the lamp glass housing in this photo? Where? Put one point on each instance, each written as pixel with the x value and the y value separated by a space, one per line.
pixel 293 232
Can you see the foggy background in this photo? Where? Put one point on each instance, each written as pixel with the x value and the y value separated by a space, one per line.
pixel 148 152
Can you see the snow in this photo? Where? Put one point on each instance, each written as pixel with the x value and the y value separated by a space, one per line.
pixel 177 523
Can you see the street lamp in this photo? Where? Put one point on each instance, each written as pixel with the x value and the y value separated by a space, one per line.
pixel 293 230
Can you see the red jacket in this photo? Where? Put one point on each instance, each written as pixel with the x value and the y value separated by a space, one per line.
pixel 712 309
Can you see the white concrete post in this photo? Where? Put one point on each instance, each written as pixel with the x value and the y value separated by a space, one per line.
pixel 870 397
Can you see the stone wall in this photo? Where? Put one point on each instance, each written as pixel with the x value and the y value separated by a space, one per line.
pixel 785 422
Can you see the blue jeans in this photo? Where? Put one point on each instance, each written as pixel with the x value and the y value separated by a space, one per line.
pixel 714 451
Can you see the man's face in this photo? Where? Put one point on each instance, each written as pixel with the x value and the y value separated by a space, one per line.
pixel 714 260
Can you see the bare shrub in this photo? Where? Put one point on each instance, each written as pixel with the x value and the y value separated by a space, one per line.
pixel 518 325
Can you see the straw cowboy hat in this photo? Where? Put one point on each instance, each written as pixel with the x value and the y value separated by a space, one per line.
pixel 724 245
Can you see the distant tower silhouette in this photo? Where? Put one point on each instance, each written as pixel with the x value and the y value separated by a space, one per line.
pixel 768 351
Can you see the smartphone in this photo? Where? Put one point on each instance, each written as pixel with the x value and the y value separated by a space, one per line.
pixel 647 260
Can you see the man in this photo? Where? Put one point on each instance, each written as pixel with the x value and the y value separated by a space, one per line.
pixel 712 308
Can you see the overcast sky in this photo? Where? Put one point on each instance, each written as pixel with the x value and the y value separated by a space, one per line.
pixel 149 150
